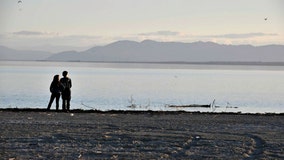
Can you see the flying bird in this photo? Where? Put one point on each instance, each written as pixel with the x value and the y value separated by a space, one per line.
pixel 19 1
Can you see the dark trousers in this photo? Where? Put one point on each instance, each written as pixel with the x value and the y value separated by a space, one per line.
pixel 52 97
pixel 66 104
pixel 66 97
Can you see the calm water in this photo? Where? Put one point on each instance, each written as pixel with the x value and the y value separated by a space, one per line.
pixel 106 86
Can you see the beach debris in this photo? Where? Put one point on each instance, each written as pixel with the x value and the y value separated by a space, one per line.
pixel 114 157
pixel 55 148
pixel 98 149
pixel 265 18
pixel 164 156
pixel 197 137
pixel 189 153
pixel 107 135
pixel 113 115
pixel 12 159
pixel 137 142
pixel 188 141
pixel 134 106
pixel 213 106
pixel 230 106
pixel 39 156
pixel 190 106
pixel 246 155
pixel 131 101
pixel 87 106
pixel 19 1
pixel 72 114
pixel 80 155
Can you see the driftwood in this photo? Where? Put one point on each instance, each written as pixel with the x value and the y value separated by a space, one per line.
pixel 190 106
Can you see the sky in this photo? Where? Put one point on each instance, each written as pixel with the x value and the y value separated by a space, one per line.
pixel 57 25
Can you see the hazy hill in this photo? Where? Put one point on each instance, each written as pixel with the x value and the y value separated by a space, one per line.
pixel 152 51
pixel 12 54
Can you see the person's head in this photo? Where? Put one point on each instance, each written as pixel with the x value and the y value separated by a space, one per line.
pixel 56 78
pixel 64 73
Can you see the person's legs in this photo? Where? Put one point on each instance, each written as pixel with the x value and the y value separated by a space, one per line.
pixel 50 101
pixel 68 104
pixel 63 104
pixel 57 101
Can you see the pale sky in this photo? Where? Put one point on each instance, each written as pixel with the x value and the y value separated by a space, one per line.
pixel 84 23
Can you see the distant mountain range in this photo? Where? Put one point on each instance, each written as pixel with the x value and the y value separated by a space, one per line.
pixel 152 51
pixel 19 55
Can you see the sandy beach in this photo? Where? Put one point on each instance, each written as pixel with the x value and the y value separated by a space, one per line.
pixel 139 135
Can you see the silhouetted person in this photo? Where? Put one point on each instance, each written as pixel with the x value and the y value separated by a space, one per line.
pixel 55 89
pixel 66 93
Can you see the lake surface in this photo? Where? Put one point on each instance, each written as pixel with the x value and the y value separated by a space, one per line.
pixel 116 86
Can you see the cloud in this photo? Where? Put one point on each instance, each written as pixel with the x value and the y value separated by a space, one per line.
pixel 180 35
pixel 28 33
pixel 51 35
pixel 34 34
pixel 82 37
pixel 244 35
pixel 160 33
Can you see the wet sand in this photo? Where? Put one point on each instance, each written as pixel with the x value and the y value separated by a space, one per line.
pixel 139 135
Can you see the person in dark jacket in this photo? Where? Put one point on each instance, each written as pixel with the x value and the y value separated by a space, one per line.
pixel 66 93
pixel 55 89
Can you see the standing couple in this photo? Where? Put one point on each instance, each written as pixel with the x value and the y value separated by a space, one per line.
pixel 61 87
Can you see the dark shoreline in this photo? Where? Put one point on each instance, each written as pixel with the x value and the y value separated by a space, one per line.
pixel 133 112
